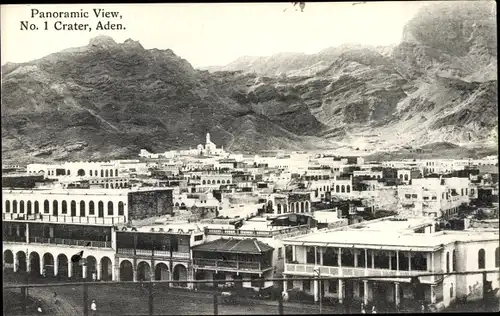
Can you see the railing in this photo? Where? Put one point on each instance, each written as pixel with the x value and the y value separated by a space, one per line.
pixel 65 218
pixel 358 272
pixel 14 238
pixel 71 242
pixel 228 264
pixel 155 253
pixel 257 233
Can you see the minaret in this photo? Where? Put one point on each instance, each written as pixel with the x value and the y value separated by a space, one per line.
pixel 208 138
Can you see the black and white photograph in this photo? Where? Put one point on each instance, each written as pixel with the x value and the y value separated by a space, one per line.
pixel 279 158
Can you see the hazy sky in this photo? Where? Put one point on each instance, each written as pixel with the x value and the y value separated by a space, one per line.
pixel 214 34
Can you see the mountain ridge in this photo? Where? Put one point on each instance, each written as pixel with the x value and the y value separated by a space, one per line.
pixel 108 100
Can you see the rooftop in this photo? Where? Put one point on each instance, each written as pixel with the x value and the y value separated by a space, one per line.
pixel 387 232
pixel 249 246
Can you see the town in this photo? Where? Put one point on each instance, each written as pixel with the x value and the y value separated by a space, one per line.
pixel 206 214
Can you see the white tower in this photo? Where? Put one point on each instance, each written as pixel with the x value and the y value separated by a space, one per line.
pixel 208 138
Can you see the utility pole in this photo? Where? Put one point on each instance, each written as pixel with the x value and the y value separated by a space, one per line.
pixel 150 288
pixel 318 275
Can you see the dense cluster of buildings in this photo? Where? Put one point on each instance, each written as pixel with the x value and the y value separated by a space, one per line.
pixel 205 214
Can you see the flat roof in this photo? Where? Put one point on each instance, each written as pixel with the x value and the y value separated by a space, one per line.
pixel 78 191
pixel 386 233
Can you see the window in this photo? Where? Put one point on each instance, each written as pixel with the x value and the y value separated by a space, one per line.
pixel 7 206
pixel 46 206
pixel 64 207
pixel 481 262
pixel 451 290
pixel 306 285
pixel 454 262
pixel 289 284
pixel 110 208
pixel 21 207
pixel 196 238
pixel 55 207
pixel 28 207
pixel 497 257
pixel 408 196
pixel 82 208
pixel 332 286
pixel 447 262
pixel 14 206
pixel 73 208
pixel 414 196
pixel 280 253
pixel 92 207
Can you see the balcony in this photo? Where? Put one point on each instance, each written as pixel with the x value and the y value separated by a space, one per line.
pixel 71 242
pixel 327 271
pixel 14 238
pixel 259 233
pixel 155 253
pixel 230 265
pixel 64 219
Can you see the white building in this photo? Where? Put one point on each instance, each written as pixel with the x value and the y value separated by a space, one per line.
pixel 393 247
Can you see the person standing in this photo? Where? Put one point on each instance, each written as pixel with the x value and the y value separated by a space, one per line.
pixel 94 276
pixel 363 310
pixel 374 311
pixel 93 308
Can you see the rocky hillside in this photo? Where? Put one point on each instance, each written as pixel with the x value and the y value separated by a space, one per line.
pixel 438 85
pixel 109 100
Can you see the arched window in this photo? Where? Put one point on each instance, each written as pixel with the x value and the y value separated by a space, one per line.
pixel 28 207
pixel 21 206
pixel 46 206
pixel 497 257
pixel 203 182
pixel 110 208
pixel 337 188
pixel 64 207
pixel 116 172
pixel 68 173
pixel 90 173
pixel 37 207
pixel 81 172
pixel 223 181
pixel 228 181
pixel 447 262
pixel 96 174
pixel 100 209
pixel 73 208
pixel 91 208
pixel 55 208
pixel 14 206
pixel 7 206
pixel 348 188
pixel 279 208
pixel 406 177
pixel 343 189
pixel 454 262
pixel 481 260
pixel 120 208
pixel 82 208
pixel 102 173
pixel 218 181
pixel 107 174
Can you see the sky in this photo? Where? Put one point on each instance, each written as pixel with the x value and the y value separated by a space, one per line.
pixel 212 34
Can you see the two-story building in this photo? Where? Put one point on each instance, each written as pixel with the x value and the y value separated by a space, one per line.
pixel 396 249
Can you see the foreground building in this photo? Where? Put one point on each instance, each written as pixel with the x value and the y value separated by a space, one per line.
pixel 393 247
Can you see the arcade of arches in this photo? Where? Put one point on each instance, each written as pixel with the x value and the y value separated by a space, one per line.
pixel 50 265
pixel 161 271
pixel 295 207
pixel 70 208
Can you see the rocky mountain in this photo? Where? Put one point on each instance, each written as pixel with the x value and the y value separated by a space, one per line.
pixel 109 100
pixel 438 85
